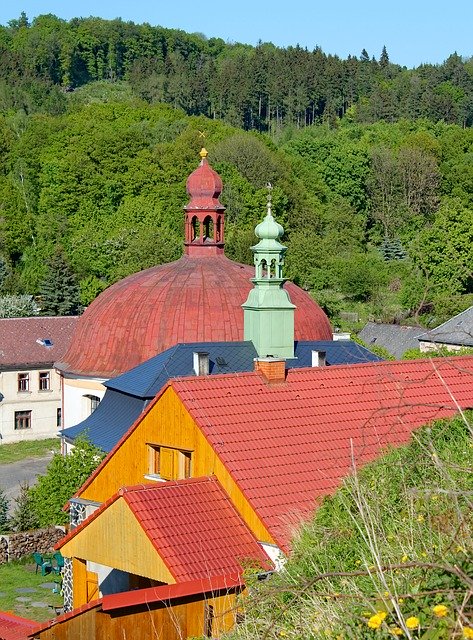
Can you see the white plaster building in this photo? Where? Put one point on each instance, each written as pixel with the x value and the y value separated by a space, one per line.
pixel 30 387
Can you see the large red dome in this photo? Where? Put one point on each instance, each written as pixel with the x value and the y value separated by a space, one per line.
pixel 197 298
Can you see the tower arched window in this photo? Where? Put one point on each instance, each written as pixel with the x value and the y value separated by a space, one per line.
pixel 208 228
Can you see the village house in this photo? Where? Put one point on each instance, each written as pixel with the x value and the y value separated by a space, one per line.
pixel 30 387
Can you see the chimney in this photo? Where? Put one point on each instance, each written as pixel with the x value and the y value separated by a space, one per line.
pixel 319 358
pixel 341 335
pixel 201 363
pixel 273 369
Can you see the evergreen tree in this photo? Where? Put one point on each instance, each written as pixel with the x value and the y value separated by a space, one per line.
pixel 60 294
pixel 364 57
pixel 24 517
pixel 384 59
pixel 4 505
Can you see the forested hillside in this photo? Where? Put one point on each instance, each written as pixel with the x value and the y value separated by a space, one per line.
pixel 372 165
pixel 262 88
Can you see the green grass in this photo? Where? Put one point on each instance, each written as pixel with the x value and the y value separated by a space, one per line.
pixel 21 573
pixel 27 449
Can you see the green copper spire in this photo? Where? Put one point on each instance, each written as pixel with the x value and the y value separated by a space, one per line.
pixel 269 312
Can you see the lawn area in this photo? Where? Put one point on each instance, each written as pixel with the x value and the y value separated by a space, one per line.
pixel 27 449
pixel 20 575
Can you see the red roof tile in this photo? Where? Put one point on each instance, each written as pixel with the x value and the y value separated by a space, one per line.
pixel 287 444
pixel 193 526
pixel 15 628
pixel 19 337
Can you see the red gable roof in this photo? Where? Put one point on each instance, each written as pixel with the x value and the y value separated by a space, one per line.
pixel 15 628
pixel 287 444
pixel 193 526
pixel 19 339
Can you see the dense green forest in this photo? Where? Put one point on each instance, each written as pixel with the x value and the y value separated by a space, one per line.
pixel 263 88
pixel 372 164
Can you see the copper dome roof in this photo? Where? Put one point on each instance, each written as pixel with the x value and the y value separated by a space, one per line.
pixel 194 299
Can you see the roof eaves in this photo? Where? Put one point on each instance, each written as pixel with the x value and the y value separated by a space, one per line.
pixel 167 593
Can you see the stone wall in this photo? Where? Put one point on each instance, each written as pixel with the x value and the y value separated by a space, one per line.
pixel 16 545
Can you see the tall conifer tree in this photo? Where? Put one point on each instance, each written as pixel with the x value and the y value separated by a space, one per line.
pixel 59 292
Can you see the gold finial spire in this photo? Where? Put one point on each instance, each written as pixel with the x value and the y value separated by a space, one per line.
pixel 203 153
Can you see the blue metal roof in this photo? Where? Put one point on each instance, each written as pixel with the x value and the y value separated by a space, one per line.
pixel 128 393
pixel 148 378
pixel 112 418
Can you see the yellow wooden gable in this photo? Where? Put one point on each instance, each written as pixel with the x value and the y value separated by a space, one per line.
pixel 167 443
pixel 115 538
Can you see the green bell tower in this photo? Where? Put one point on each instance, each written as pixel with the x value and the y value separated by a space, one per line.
pixel 269 312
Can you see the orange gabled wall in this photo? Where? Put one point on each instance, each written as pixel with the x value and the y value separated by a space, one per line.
pixel 168 423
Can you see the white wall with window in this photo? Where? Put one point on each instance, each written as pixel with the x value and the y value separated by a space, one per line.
pixel 29 403
pixel 80 398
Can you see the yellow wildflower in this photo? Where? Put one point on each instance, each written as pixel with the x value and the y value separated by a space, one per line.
pixel 282 633
pixel 412 622
pixel 468 632
pixel 401 600
pixel 404 558
pixel 377 620
pixel 440 610
pixel 396 631
pixel 420 518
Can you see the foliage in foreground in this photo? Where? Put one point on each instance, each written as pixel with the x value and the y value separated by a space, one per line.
pixel 64 475
pixel 389 555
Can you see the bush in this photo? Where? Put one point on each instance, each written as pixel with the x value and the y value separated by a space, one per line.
pixel 64 476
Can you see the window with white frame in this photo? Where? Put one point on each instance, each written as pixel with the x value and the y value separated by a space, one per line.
pixel 23 382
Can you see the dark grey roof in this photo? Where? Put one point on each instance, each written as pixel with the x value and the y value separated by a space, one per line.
pixel 395 338
pixel 128 394
pixel 458 330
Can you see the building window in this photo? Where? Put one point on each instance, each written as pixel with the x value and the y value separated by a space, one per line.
pixel 23 382
pixel 59 417
pixel 94 402
pixel 169 463
pixel 44 381
pixel 22 420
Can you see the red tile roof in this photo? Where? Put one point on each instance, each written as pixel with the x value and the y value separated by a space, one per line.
pixel 15 628
pixel 287 444
pixel 193 526
pixel 19 337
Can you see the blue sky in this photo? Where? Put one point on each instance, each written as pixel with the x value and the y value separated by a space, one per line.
pixel 413 32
